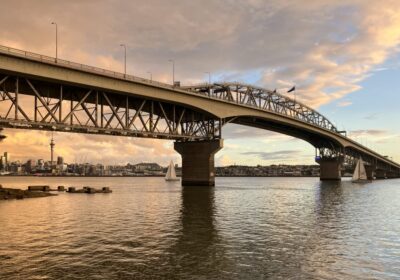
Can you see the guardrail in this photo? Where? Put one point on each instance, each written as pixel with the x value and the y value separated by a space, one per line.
pixel 78 66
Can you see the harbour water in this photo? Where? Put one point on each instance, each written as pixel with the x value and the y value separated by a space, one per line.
pixel 244 228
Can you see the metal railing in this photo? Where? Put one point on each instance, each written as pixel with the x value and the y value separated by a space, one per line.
pixel 79 66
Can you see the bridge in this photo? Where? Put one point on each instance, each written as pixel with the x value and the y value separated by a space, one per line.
pixel 44 93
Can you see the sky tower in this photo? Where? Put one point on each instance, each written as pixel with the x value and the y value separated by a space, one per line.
pixel 52 144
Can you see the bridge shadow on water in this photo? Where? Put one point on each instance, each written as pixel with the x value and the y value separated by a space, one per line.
pixel 197 250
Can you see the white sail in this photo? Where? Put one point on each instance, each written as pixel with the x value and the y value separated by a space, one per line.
pixel 171 175
pixel 359 173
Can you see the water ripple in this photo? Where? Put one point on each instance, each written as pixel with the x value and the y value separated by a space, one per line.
pixel 245 228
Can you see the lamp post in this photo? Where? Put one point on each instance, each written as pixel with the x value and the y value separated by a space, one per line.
pixel 173 70
pixel 55 23
pixel 209 77
pixel 123 45
pixel 151 75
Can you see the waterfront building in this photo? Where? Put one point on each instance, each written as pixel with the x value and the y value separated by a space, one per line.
pixel 60 160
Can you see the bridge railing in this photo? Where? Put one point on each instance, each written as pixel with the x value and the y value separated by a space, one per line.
pixel 78 66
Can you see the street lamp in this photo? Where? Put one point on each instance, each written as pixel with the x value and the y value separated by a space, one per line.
pixel 173 70
pixel 123 45
pixel 151 75
pixel 209 77
pixel 55 23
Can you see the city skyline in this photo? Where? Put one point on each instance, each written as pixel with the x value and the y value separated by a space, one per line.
pixel 347 71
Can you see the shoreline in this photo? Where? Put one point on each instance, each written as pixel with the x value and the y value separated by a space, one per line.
pixel 141 176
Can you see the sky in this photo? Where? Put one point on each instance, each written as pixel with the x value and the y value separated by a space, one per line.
pixel 343 57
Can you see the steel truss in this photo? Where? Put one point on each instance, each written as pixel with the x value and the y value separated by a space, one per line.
pixel 349 157
pixel 62 107
pixel 264 99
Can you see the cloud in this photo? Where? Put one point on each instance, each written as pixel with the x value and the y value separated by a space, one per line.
pixel 344 103
pixel 325 48
pixel 376 136
pixel 241 132
pixel 234 131
pixel 369 132
pixel 278 155
pixel 82 148
pixel 224 160
pixel 372 116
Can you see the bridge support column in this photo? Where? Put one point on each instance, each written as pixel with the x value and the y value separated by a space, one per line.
pixel 380 174
pixel 369 169
pixel 390 175
pixel 198 161
pixel 330 168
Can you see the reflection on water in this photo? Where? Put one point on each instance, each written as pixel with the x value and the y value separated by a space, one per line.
pixel 197 250
pixel 244 228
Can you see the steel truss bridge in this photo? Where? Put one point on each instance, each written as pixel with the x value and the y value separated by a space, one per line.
pixel 44 93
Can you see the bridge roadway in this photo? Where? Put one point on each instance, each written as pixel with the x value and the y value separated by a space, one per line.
pixel 40 92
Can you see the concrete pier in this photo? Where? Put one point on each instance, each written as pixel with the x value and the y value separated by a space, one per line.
pixel 391 174
pixel 330 168
pixel 369 169
pixel 380 174
pixel 198 161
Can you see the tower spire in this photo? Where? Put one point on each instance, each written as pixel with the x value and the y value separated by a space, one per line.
pixel 52 144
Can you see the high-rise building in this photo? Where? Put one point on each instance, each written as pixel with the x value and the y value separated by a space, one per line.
pixel 60 160
pixel 40 164
pixel 30 165
pixel 4 161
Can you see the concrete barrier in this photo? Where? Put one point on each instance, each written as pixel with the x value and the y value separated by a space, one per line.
pixel 39 188
pixel 90 190
pixel 71 189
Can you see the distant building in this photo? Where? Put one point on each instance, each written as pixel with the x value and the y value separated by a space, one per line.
pixel 30 166
pixel 4 161
pixel 141 167
pixel 60 160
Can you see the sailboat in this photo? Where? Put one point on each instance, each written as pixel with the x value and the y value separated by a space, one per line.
pixel 171 175
pixel 360 175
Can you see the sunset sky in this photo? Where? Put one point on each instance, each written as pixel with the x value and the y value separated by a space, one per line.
pixel 343 57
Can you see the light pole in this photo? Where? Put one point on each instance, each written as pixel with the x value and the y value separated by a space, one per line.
pixel 123 45
pixel 55 23
pixel 209 77
pixel 151 75
pixel 173 70
pixel 209 82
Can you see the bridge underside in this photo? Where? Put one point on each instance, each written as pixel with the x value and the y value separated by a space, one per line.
pixel 35 104
pixel 332 157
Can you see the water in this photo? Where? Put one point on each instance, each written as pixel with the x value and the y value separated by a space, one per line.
pixel 244 228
